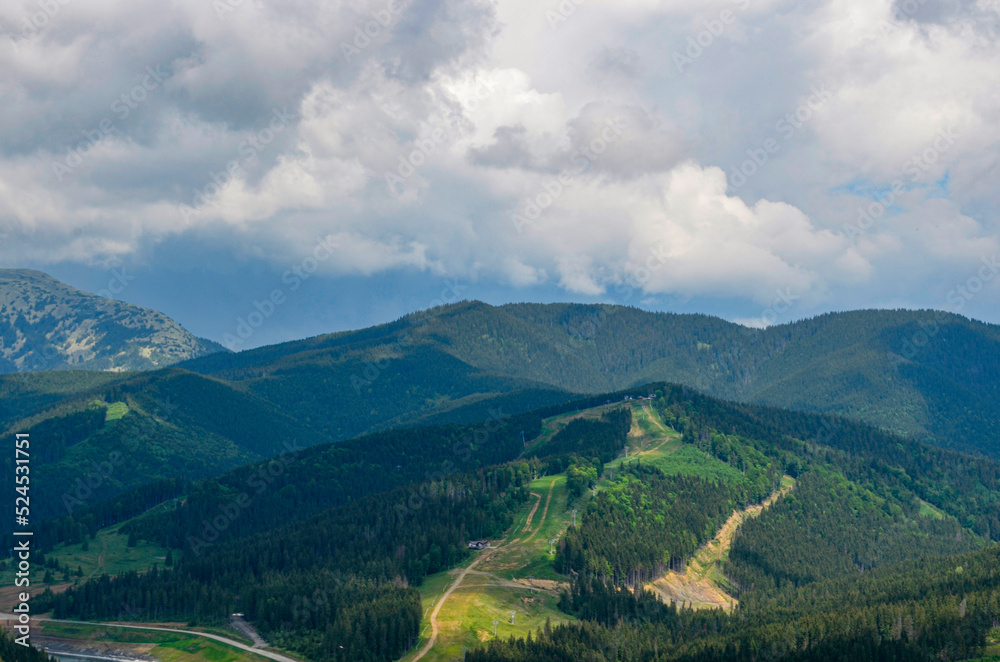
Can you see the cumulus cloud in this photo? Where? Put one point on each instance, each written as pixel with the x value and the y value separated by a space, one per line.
pixel 493 141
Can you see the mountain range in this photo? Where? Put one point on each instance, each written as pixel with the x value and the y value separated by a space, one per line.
pixel 838 541
pixel 48 325
pixel 924 374
pixel 920 373
pixel 326 488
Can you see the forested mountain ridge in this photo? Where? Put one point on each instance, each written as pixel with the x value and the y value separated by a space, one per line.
pixel 177 424
pixel 857 508
pixel 455 363
pixel 923 373
pixel 48 325
pixel 173 423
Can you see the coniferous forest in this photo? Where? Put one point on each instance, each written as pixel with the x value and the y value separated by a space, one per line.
pixel 326 558
pixel 361 560
pixel 10 651
pixel 500 330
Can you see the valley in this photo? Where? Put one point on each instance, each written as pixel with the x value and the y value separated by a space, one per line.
pixel 625 514
pixel 169 644
pixel 518 573
pixel 500 331
pixel 462 363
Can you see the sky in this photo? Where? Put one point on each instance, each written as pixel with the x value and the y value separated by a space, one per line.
pixel 337 164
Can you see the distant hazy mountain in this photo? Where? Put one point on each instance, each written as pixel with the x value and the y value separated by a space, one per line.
pixel 48 325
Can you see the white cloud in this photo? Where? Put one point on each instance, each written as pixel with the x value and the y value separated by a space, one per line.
pixel 495 104
pixel 354 253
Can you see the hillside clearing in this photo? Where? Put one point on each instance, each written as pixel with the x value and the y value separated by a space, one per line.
pixel 460 605
pixel 108 553
pixel 702 584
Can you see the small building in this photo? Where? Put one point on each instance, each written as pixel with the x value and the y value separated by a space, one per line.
pixel 479 544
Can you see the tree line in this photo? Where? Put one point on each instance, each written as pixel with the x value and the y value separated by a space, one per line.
pixel 362 560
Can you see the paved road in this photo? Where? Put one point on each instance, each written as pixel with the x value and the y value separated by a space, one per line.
pixel 277 657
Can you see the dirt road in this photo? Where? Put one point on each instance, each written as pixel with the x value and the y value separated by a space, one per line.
pixel 444 598
pixel 531 515
pixel 698 586
pixel 545 513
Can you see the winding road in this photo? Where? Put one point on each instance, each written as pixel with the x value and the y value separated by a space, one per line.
pixel 470 569
pixel 277 657
pixel 444 598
